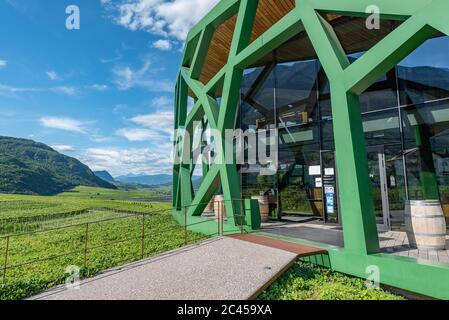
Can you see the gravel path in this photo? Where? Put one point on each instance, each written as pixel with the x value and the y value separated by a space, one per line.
pixel 217 269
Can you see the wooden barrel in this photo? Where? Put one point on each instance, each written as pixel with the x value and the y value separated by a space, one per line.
pixel 264 207
pixel 210 207
pixel 425 224
pixel 219 207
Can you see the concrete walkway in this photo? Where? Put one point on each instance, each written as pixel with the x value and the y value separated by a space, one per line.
pixel 217 269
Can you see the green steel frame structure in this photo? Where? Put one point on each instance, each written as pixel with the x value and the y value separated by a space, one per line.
pixel 422 19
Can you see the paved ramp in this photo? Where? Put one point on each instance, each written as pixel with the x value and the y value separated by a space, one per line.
pixel 218 269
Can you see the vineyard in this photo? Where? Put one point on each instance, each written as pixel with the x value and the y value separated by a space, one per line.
pixel 40 237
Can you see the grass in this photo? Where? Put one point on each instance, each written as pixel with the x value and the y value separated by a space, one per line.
pixel 21 213
pixel 114 235
pixel 305 281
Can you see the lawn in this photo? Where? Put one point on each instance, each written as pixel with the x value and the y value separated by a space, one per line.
pixel 305 281
pixel 114 235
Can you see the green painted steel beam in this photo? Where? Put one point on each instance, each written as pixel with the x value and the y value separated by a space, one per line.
pixel 394 10
pixel 224 10
pixel 422 19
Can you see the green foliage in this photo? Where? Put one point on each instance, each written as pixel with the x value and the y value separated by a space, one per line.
pixel 114 235
pixel 19 213
pixel 28 167
pixel 305 281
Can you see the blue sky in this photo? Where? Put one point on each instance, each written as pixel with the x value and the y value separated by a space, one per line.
pixel 104 93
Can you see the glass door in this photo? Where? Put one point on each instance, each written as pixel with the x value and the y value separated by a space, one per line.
pixel 377 174
pixel 386 170
pixel 395 183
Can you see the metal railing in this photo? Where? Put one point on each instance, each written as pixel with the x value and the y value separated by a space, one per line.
pixel 86 247
pixel 238 219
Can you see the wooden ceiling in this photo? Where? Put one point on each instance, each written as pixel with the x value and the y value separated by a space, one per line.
pixel 352 33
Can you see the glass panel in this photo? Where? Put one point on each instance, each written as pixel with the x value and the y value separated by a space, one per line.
pixel 327 135
pixel 299 173
pixel 296 92
pixel 424 74
pixel 381 95
pixel 263 99
pixel 374 174
pixel 249 78
pixel 426 129
pixel 394 167
pixel 257 113
pixel 382 128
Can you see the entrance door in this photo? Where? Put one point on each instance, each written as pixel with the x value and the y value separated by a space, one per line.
pixel 386 172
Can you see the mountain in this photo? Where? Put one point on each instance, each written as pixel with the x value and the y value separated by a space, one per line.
pixel 149 180
pixel 29 167
pixel 104 175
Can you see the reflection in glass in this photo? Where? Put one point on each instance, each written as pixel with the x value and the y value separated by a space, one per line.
pixel 296 92
pixel 424 74
pixel 299 153
pixel 426 129
pixel 381 128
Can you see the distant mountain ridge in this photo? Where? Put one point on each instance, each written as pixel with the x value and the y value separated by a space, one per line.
pixel 104 175
pixel 29 167
pixel 149 180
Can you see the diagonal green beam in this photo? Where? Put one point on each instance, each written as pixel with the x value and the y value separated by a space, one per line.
pixel 219 14
pixel 201 52
pixel 209 104
pixel 396 46
pixel 233 77
pixel 282 31
pixel 214 82
pixel 437 15
pixel 196 114
pixel 389 9
pixel 209 185
pixel 325 42
pixel 231 96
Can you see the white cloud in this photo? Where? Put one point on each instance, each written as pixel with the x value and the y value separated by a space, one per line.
pixel 10 90
pixel 163 45
pixel 134 161
pixel 162 102
pixel 160 121
pixel 127 78
pixel 3 63
pixel 6 90
pixel 70 91
pixel 139 134
pixel 156 128
pixel 63 148
pixel 171 19
pixel 100 87
pixel 66 124
pixel 119 108
pixel 53 75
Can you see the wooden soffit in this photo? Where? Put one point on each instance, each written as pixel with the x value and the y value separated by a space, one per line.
pixel 352 33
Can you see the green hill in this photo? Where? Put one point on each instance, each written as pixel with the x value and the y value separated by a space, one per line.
pixel 29 167
pixel 106 176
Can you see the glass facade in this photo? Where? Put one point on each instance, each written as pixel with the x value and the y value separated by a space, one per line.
pixel 406 123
